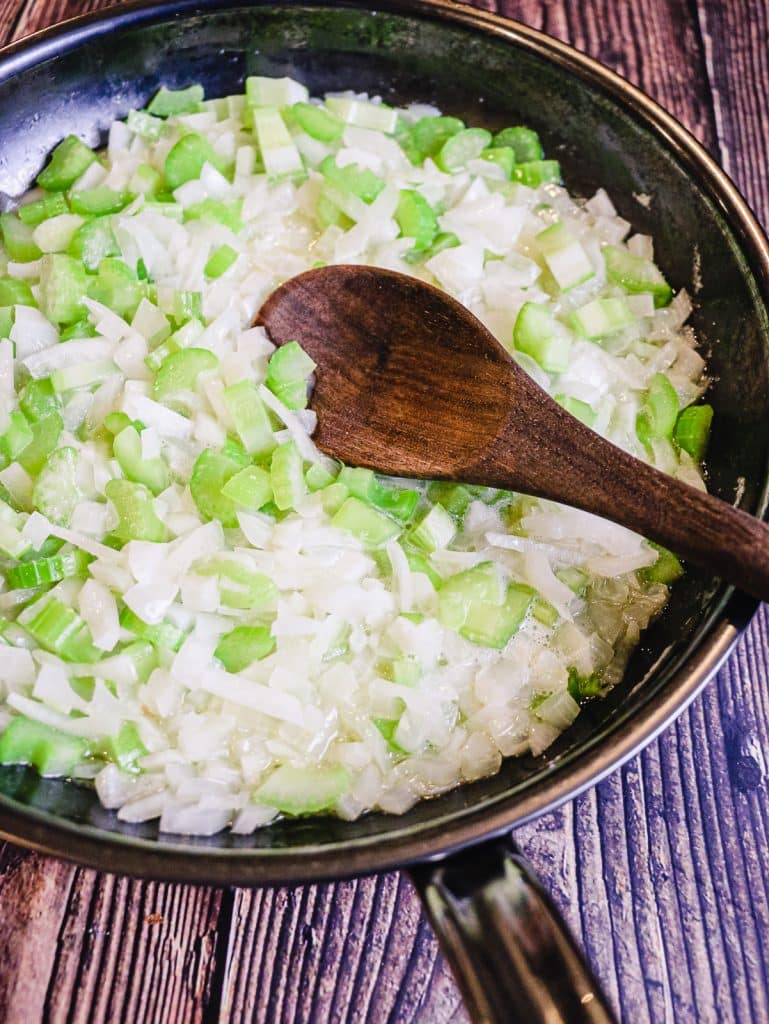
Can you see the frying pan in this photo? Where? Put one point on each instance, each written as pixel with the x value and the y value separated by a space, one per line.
pixel 511 955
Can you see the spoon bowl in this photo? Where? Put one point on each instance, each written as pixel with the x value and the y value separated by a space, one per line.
pixel 410 383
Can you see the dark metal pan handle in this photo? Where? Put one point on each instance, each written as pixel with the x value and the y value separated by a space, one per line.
pixel 512 954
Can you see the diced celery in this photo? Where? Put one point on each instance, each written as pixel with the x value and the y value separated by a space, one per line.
pixel 580 410
pixel 523 141
pixel 63 286
pixel 97 202
pixel 401 671
pixel 274 92
pixel 659 412
pixel 250 416
pixel 377 116
pixel 534 173
pixel 79 329
pixel 82 375
pixel 144 658
pixel 416 218
pixel 52 205
pixel 287 476
pixel 17 436
pixel 575 579
pixel 250 488
pixel 42 571
pixel 564 255
pixel 127 449
pixel 37 399
pixel 253 591
pixel 601 317
pixel 435 530
pixel 540 335
pixel 444 240
pixel 94 241
pixel 244 645
pixel 387 727
pixel 170 102
pixel 544 612
pixel 220 261
pixel 667 569
pixel 636 274
pixel 692 430
pixel 426 136
pixel 318 476
pixel 7 319
pixel 279 154
pixel 52 752
pixel 215 211
pixel 503 157
pixel 68 161
pixel 162 634
pixel 359 181
pixel 287 373
pixel 117 287
pixel 186 159
pixel 14 292
pixel 481 584
pixel 56 492
pixel 187 306
pixel 45 435
pixel 18 239
pixel 454 497
pixel 136 512
pixel 334 496
pixel 584 688
pixel 13 544
pixel 492 625
pixel 180 371
pixel 146 180
pixel 466 145
pixel 318 122
pixel 371 527
pixel 296 791
pixel 399 503
pixel 210 473
pixel 59 629
pixel 146 125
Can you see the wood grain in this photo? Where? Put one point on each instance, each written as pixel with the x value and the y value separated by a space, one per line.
pixel 660 870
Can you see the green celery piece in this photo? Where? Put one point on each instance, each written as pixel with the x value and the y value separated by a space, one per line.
pixel 127 449
pixel 363 484
pixel 59 629
pixel 467 144
pixel 492 625
pixel 580 410
pixel 523 141
pixel 17 436
pixel 68 161
pixel 14 292
pixel 38 399
pixel 418 562
pixel 538 172
pixel 318 122
pixel 45 436
pixel 7 318
pixel 359 181
pixel 416 218
pixel 94 241
pixel 401 671
pixel 387 727
pixel 426 136
pixel 250 489
pixel 636 274
pixel 220 261
pixel 215 211
pixel 540 335
pixel 575 579
pixel 317 477
pixel 43 571
pixel 63 286
pixel 287 373
pixel 692 430
pixel 584 688
pixel 502 156
pixel 187 306
pixel 244 645
pixel 186 159
pixel 600 317
pixel 146 125
pixel 455 498
pixel 170 102
pixel 117 287
pixel 253 590
pixel 17 239
pixel 544 612
pixel 210 473
pixel 444 240
pixel 667 569
pixel 138 519
pixel 287 476
pixel 328 213
pixel 658 415
pixel 296 791
pixel 145 180
pixel 126 748
pixel 98 202
pixel 180 371
pixel 479 585
pixel 436 529
pixel 164 634
pixel 52 752
pixel 115 422
pixel 56 492
pixel 52 205
pixel 334 495
pixel 250 416
pixel 144 657
pixel 371 527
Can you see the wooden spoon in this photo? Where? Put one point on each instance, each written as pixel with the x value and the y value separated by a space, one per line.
pixel 410 383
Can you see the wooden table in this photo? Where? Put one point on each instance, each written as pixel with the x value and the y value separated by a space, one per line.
pixel 660 870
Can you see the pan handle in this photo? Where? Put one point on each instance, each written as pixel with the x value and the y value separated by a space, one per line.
pixel 511 952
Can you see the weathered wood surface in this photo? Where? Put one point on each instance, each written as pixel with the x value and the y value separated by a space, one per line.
pixel 660 870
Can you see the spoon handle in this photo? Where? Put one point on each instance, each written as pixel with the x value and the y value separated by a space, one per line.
pixel 583 470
